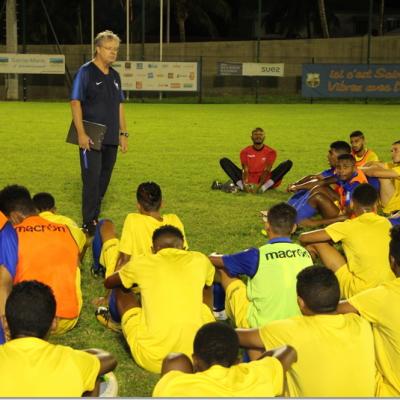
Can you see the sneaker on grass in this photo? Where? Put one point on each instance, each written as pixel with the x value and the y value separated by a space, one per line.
pixel 104 317
pixel 216 185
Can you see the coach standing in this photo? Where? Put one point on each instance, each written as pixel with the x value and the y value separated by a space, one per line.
pixel 97 97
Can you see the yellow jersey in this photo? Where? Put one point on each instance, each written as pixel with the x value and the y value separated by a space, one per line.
pixel 365 241
pixel 368 156
pixel 378 306
pixel 171 283
pixel 394 202
pixel 137 232
pixel 76 232
pixel 261 378
pixel 32 367
pixel 335 354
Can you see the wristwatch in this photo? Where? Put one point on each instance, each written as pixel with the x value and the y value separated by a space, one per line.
pixel 126 134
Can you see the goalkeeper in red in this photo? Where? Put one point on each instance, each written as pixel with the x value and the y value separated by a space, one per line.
pixel 256 174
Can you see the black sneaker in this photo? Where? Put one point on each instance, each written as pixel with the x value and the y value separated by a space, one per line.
pixel 104 317
pixel 90 228
pixel 216 185
pixel 229 187
pixel 98 272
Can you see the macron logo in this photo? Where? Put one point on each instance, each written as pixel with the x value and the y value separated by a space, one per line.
pixel 99 83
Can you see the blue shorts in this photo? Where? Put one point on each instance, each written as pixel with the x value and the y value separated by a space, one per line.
pixel 300 202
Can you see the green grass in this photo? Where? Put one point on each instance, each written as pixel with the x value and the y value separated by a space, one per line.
pixel 178 146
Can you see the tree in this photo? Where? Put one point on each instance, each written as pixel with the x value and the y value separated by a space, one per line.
pixel 322 15
pixel 199 15
pixel 298 18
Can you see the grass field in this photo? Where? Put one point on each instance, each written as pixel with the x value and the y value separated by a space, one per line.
pixel 178 146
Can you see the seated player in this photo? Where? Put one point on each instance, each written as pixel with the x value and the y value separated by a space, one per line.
pixel 45 204
pixel 361 154
pixel 333 205
pixel 216 371
pixel 270 292
pixel 8 262
pixel 256 174
pixel 303 187
pixel 365 241
pixel 137 230
pixel 110 253
pixel 46 252
pixel 173 283
pixel 378 306
pixel 335 353
pixel 389 179
pixel 32 367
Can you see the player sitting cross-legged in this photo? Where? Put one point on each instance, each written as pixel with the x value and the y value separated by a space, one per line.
pixel 378 306
pixel 32 367
pixel 270 291
pixel 46 205
pixel 335 353
pixel 365 241
pixel 111 253
pixel 46 252
pixel 216 371
pixel 174 285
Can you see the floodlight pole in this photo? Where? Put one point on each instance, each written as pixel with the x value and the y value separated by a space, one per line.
pixel 258 46
pixel 369 31
pixel 161 29
pixel 24 88
pixel 127 30
pixel 92 25
pixel 127 38
pixel 168 19
pixel 143 26
pixel 161 36
pixel 11 47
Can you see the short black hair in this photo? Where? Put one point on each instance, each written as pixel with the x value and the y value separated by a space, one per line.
pixel 340 146
pixel 148 195
pixel 394 244
pixel 216 343
pixel 258 129
pixel 398 142
pixel 44 201
pixel 30 309
pixel 356 134
pixel 282 218
pixel 168 230
pixel 365 195
pixel 347 157
pixel 319 289
pixel 16 198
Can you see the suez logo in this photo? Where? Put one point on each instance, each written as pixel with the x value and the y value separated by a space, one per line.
pixel 287 254
pixel 270 69
pixel 41 228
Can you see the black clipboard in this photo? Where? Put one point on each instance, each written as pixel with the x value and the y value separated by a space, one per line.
pixel 94 130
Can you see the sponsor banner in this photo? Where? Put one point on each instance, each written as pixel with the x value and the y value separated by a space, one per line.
pixel 228 69
pixel 32 63
pixel 157 75
pixel 351 80
pixel 262 69
pixel 250 69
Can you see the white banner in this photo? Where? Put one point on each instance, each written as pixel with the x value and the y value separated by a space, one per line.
pixel 32 63
pixel 260 69
pixel 157 75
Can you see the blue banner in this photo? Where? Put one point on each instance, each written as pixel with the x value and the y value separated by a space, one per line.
pixel 350 80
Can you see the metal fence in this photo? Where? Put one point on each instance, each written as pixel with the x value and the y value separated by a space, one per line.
pixel 213 87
